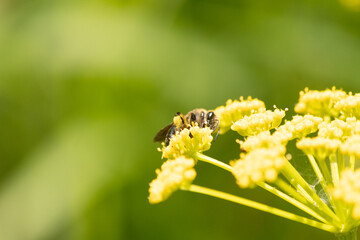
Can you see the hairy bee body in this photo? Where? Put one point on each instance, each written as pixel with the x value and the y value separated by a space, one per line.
pixel 201 117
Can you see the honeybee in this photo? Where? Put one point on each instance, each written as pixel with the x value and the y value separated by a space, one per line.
pixel 199 116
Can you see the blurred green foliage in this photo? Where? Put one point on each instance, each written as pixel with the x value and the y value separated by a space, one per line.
pixel 85 85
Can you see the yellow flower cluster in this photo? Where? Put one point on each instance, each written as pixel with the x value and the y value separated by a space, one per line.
pixel 336 129
pixel 349 106
pixel 319 147
pixel 188 142
pixel 355 125
pixel 351 146
pixel 262 140
pixel 298 127
pixel 319 103
pixel 236 110
pixel 259 165
pixel 258 122
pixel 173 175
pixel 263 160
pixel 348 190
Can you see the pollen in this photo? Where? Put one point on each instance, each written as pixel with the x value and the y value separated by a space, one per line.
pixel 319 103
pixel 348 190
pixel 298 127
pixel 258 166
pixel 258 122
pixel 319 147
pixel 188 142
pixel 351 146
pixel 177 121
pixel 174 174
pixel 349 106
pixel 236 110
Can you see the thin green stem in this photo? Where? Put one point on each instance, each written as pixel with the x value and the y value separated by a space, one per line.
pixel 265 186
pixel 341 161
pixel 322 181
pixel 334 169
pixel 284 186
pixel 339 207
pixel 292 201
pixel 352 162
pixel 213 161
pixel 350 235
pixel 325 170
pixel 262 207
pixel 303 188
pixel 306 201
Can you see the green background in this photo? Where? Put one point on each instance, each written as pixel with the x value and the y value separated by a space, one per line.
pixel 85 85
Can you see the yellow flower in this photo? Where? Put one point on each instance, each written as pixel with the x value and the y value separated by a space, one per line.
pixel 258 122
pixel 319 103
pixel 188 142
pixel 348 190
pixel 319 147
pixel 349 106
pixel 262 140
pixel 351 146
pixel 298 127
pixel 355 125
pixel 173 175
pixel 258 165
pixel 263 159
pixel 335 129
pixel 236 110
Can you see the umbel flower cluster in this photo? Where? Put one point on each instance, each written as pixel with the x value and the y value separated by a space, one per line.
pixel 326 129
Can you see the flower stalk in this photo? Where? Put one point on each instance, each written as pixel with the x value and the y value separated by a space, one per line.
pixel 350 235
pixel 259 206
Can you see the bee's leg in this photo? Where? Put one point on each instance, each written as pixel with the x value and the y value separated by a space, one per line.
pixel 217 127
pixel 217 134
pixel 182 119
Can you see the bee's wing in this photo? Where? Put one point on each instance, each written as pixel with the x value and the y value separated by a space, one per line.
pixel 161 135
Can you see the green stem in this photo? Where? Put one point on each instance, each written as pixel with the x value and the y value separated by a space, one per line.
pixel 334 170
pixel 292 201
pixel 352 162
pixel 303 188
pixel 324 168
pixel 341 160
pixel 350 235
pixel 213 161
pixel 262 207
pixel 291 191
pixel 339 207
pixel 284 186
pixel 276 192
pixel 322 181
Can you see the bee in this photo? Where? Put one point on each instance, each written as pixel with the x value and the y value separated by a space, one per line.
pixel 199 116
